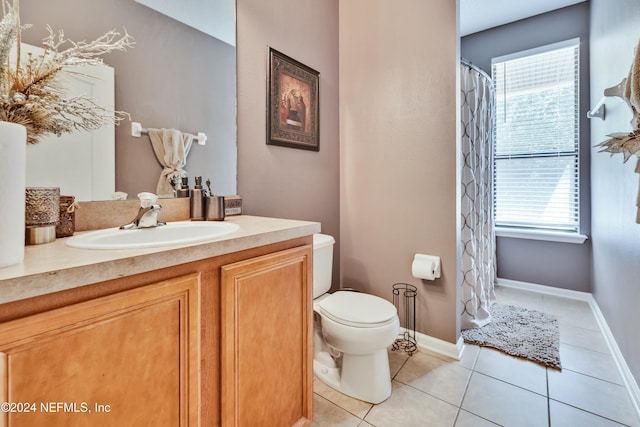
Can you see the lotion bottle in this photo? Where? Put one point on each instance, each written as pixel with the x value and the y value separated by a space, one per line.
pixel 196 205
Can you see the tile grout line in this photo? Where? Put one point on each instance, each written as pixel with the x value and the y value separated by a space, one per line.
pixel 511 384
pixel 595 378
pixel 546 376
pixel 473 371
pixel 587 411
pixel 630 384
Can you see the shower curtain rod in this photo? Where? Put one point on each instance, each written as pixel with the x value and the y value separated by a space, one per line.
pixel 474 67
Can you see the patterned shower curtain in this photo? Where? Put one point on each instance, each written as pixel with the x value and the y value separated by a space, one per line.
pixel 477 233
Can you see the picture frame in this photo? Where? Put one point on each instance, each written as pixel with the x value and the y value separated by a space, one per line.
pixel 293 103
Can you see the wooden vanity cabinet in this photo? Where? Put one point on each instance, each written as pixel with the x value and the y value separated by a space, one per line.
pixel 131 358
pixel 267 348
pixel 225 341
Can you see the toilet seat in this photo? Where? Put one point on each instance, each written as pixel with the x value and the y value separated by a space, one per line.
pixel 357 309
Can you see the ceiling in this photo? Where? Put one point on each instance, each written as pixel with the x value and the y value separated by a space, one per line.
pixel 217 17
pixel 479 15
pixel 214 17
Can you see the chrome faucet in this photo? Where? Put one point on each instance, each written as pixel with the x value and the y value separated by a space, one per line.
pixel 147 217
pixel 147 214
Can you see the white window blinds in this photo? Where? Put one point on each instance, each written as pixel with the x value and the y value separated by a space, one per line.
pixel 536 175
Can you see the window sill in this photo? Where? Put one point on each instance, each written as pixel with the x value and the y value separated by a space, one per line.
pixel 550 236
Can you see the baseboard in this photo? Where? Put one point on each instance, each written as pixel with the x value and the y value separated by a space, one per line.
pixel 623 368
pixel 627 377
pixel 435 345
pixel 542 289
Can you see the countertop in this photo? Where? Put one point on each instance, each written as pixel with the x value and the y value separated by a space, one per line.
pixel 55 267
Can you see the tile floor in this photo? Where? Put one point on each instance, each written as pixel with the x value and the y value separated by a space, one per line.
pixel 489 388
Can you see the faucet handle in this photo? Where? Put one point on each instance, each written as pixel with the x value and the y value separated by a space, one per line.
pixel 148 217
pixel 147 199
pixel 147 214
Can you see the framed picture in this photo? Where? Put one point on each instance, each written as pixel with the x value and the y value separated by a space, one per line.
pixel 292 103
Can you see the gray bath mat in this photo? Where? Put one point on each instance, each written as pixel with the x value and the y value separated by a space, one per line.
pixel 520 332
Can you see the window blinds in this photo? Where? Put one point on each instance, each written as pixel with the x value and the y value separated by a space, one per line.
pixel 536 173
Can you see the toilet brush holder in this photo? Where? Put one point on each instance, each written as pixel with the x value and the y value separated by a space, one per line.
pixel 404 299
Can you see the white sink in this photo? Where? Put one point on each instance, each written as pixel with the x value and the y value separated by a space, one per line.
pixel 175 233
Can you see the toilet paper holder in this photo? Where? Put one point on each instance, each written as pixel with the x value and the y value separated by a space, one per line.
pixel 404 299
pixel 425 267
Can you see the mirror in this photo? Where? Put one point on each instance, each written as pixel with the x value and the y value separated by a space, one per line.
pixel 84 161
pixel 176 76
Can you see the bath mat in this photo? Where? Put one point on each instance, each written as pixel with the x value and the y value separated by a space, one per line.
pixel 520 332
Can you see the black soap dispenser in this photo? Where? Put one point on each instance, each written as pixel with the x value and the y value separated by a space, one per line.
pixel 196 205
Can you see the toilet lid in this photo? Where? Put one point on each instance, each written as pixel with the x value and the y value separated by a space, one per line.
pixel 357 309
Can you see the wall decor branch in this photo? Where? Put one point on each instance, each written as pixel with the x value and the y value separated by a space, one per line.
pixel 31 93
pixel 627 143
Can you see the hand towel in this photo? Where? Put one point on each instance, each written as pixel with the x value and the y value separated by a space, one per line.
pixel 171 148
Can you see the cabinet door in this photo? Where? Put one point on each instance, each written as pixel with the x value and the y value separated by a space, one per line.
pixel 128 359
pixel 267 353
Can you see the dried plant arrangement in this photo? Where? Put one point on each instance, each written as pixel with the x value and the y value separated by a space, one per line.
pixel 32 93
pixel 627 143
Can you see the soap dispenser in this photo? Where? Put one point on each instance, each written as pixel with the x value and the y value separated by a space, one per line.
pixel 183 191
pixel 196 205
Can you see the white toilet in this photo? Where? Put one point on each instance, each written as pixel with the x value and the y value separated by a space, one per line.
pixel 352 331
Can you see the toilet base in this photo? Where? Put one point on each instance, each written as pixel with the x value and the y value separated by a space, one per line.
pixel 362 376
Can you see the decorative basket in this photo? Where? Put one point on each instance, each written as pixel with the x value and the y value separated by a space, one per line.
pixel 67 223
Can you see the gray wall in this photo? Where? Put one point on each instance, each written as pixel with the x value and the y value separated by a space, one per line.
pixel 563 265
pixel 280 181
pixel 174 77
pixel 616 236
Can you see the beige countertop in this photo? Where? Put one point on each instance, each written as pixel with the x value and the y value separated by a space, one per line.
pixel 54 267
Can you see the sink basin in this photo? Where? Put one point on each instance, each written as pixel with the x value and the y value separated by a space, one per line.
pixel 175 233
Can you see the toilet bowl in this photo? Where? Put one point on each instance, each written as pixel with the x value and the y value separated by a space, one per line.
pixel 352 331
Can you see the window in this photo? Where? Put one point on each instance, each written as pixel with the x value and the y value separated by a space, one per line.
pixel 536 153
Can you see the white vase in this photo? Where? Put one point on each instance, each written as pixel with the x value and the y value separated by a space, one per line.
pixel 13 152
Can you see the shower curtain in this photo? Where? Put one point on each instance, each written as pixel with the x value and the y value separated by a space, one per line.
pixel 477 233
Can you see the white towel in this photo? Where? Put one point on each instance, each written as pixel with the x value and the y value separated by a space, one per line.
pixel 171 148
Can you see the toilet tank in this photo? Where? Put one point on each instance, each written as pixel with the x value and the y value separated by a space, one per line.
pixel 322 263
